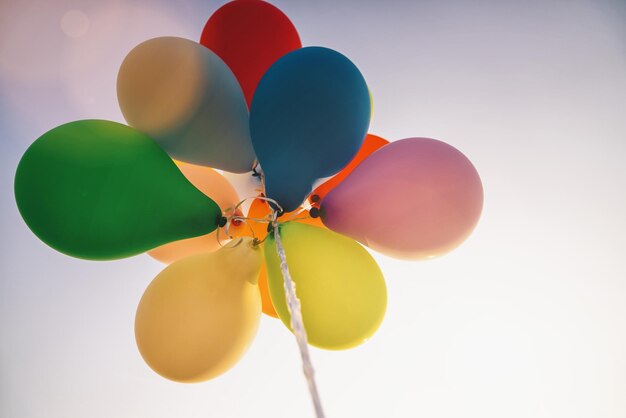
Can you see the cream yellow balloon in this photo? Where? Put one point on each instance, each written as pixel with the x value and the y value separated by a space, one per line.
pixel 199 315
pixel 341 288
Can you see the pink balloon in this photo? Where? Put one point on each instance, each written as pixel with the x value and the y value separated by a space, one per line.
pixel 416 198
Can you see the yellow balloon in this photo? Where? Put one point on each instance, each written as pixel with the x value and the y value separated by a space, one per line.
pixel 199 315
pixel 217 187
pixel 341 288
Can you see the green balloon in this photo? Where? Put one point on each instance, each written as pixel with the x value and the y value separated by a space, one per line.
pixel 101 190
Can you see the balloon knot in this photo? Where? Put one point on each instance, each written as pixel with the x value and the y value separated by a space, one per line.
pixel 314 212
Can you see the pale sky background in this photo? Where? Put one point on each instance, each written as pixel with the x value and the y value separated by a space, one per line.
pixel 526 319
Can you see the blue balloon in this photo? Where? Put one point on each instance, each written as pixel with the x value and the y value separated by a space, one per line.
pixel 308 118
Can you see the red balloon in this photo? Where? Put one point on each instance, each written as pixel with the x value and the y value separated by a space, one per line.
pixel 249 35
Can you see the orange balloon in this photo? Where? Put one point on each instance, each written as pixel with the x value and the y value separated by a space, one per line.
pixel 214 185
pixel 266 301
pixel 260 209
pixel 370 144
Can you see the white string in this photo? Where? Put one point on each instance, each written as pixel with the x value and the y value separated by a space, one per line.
pixel 293 304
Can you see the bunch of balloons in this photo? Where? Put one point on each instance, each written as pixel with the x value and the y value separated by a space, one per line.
pixel 250 101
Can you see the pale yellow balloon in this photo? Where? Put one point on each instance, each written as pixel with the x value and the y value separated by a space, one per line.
pixel 199 315
pixel 218 188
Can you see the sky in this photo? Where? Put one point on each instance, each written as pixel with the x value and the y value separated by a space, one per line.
pixel 526 319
